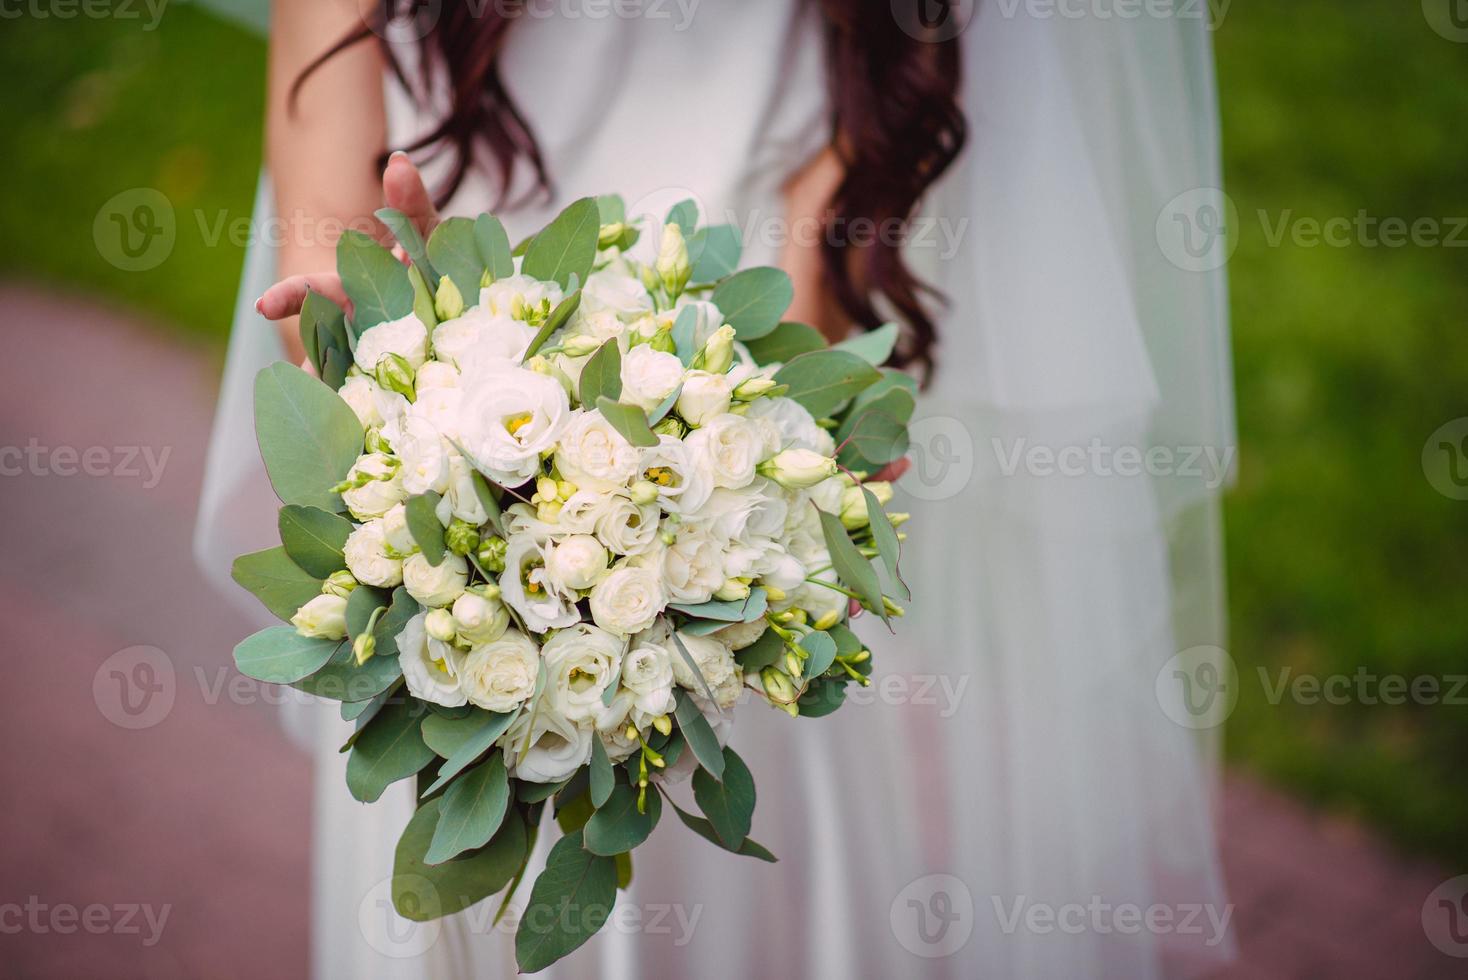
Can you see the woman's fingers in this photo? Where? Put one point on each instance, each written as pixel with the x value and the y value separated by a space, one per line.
pixel 285 298
pixel 403 189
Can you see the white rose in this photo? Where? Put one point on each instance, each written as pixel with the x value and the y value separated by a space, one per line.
pixel 369 401
pixel 378 495
pixel 731 447
pixel 615 292
pixel 647 672
pixel 395 532
pixel 557 747
pixel 740 635
pixel 439 407
pixel 435 375
pixel 649 376
pixel 624 527
pixel 593 455
pixel 693 565
pixel 429 665
pixel 508 418
pixel 527 588
pixel 407 337
pixel 704 396
pixel 578 513
pixel 500 675
pixel 611 728
pixel 600 325
pixel 514 296
pixel 324 617
pixel 781 570
pixel 628 600
pixel 684 481
pixel 424 455
pixel 580 662
pixel 460 498
pixel 435 585
pixel 478 620
pixel 712 657
pixel 480 336
pixel 576 562
pixel 796 427
pixel 367 558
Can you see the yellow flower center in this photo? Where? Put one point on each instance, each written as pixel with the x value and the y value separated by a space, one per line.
pixel 515 423
pixel 660 475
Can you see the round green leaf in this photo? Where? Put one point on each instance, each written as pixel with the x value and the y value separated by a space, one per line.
pixel 617 827
pixel 280 655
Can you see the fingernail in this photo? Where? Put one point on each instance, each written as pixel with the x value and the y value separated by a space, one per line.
pixel 397 155
pixel 260 305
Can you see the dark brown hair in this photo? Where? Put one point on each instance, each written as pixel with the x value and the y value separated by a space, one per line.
pixel 895 124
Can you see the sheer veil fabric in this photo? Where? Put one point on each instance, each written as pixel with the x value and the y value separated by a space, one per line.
pixel 1019 753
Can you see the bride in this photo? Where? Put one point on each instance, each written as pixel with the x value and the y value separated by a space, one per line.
pixel 1022 777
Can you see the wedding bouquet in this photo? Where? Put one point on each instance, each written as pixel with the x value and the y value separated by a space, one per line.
pixel 549 512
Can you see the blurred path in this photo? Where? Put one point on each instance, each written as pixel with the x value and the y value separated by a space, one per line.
pixel 116 798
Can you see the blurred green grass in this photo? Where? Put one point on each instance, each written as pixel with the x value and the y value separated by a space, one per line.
pixel 1341 555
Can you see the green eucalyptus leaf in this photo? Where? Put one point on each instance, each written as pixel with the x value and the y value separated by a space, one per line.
pixel 446 734
pixel 728 802
pixel 684 214
pixel 407 234
pixel 455 254
pixel 423 524
pixel 361 604
pixel 487 500
pixel 761 653
pixel 314 538
pixel 494 249
pixel 390 748
pixel 629 420
pixel 877 434
pixel 872 346
pixel 823 380
pixel 602 779
pixel 611 209
pixel 823 696
pixel 601 376
pixel 558 319
pixel 375 281
pixel 785 343
pixel 276 581
pixel 704 829
pixel 309 437
pixel 684 334
pixel 472 748
pixel 700 736
pixel 822 653
pixel 571 900
pixel 471 812
pixel 321 319
pixel 753 300
pixel 889 548
pixel 714 252
pixel 423 891
pixel 616 827
pixel 280 655
pixel 567 246
pixel 745 610
pixel 852 567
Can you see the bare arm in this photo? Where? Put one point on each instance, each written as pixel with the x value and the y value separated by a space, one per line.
pixel 806 196
pixel 323 155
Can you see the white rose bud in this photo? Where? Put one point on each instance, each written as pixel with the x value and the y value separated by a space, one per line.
pixel 324 617
pixel 672 265
pixel 435 586
pixel 705 395
pixel 440 625
pixel 480 619
pixel 577 562
pixel 406 337
pixel 580 346
pixel 644 492
pixel 395 532
pixel 628 600
pixel 394 373
pixel 798 469
pixel 375 484
pixel 718 354
pixel 751 388
pixel 500 675
pixel 854 504
pixel 448 302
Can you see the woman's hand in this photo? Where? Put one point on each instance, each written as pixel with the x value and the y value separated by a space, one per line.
pixel 403 189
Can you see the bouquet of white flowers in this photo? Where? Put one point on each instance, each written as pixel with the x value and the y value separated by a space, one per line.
pixel 549 512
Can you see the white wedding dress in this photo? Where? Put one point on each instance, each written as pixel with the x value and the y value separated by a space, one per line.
pixel 1015 753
